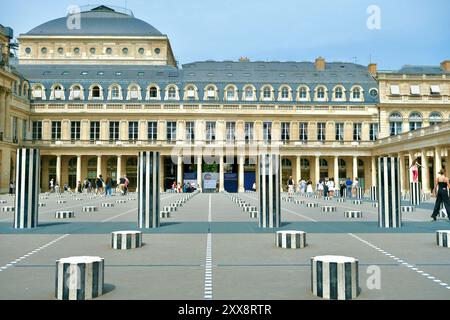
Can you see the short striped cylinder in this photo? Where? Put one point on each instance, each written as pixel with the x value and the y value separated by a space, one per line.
pixel 126 240
pixel 242 204
pixel 290 239
pixel 415 193
pixel 269 191
pixel 359 193
pixel 8 209
pixel 131 199
pixel 373 194
pixel 90 209
pixel 288 199
pixel 42 205
pixel 3 202
pixel 61 201
pixel 79 278
pixel 343 194
pixel 249 208
pixel 389 200
pixel 253 214
pixel 299 201
pixel 64 214
pixel 316 196
pixel 327 198
pixel 43 198
pixel 79 199
pixel 443 238
pixel 408 209
pixel 340 200
pixel 165 214
pixel 107 205
pixel 312 205
pixel 28 173
pixel 148 182
pixel 357 202
pixel 121 201
pixel 328 209
pixel 353 214
pixel 375 204
pixel 335 277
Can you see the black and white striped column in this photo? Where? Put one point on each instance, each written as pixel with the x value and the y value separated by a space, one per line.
pixel 334 277
pixel 148 182
pixel 126 240
pixel 269 191
pixel 28 173
pixel 290 239
pixel 443 238
pixel 415 196
pixel 359 193
pixel 389 199
pixel 79 278
pixel 373 194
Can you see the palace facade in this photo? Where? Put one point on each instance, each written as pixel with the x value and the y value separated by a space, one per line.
pixel 95 96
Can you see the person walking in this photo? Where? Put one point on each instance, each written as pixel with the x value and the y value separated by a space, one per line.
pixel 99 184
pixel 441 191
pixel 11 187
pixel 51 184
pixel 309 188
pixel 108 186
pixel 290 185
pixel 355 187
pixel 348 185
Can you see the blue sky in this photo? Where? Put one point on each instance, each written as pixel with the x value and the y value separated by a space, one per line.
pixel 412 31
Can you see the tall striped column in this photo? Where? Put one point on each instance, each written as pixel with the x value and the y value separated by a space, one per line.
pixel 415 196
pixel 27 188
pixel 269 191
pixel 148 182
pixel 359 193
pixel 389 198
pixel 373 194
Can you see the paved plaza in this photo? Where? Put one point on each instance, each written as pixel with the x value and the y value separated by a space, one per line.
pixel 246 264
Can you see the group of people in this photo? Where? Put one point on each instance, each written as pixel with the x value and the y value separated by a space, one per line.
pixel 326 187
pixel 185 188
pixel 98 186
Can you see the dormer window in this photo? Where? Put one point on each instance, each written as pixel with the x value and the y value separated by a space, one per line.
pixel 303 94
pixel 153 93
pixel 356 94
pixel 96 92
pixel 249 94
pixel 285 93
pixel 172 93
pixel 321 93
pixel 115 93
pixel 267 93
pixel 38 93
pixel 134 93
pixel 58 93
pixel 338 94
pixel 76 93
pixel 435 90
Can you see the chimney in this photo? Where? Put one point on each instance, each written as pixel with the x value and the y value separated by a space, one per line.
pixel 244 59
pixel 445 65
pixel 372 68
pixel 320 64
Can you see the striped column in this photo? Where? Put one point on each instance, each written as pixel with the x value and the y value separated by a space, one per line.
pixel 373 194
pixel 269 191
pixel 334 277
pixel 359 193
pixel 415 196
pixel 290 239
pixel 126 240
pixel 148 182
pixel 79 278
pixel 389 199
pixel 27 188
pixel 442 238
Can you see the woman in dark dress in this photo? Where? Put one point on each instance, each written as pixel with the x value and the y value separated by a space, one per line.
pixel 441 191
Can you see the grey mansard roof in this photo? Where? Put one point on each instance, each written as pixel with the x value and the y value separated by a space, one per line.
pixel 201 74
pixel 415 69
pixel 100 21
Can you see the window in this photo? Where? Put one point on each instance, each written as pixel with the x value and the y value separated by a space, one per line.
pixel 58 92
pixel 134 93
pixel 267 131
pixel 152 130
pixel 125 51
pixel 38 93
pixel 96 92
pixel 415 90
pixel 113 130
pixel 285 93
pixel 76 93
pixel 303 93
pixel 75 130
pixel 190 93
pixel 24 129
pixel 172 93
pixel 56 130
pixel 231 93
pixel 190 131
pixel 373 132
pixel 339 131
pixel 435 90
pixel 356 94
pixel 321 93
pixel 415 121
pixel 92 50
pixel 395 124
pixel 210 93
pixel 133 130
pixel 171 132
pixel 231 131
pixel 338 93
pixel 249 132
pixel 109 51
pixel 267 93
pixel 37 130
pixel 285 131
pixel 357 129
pixel 395 90
pixel 303 131
pixel 141 51
pixel 115 93
pixel 153 93
pixel 210 131
pixel 321 131
pixel 95 131
pixel 435 118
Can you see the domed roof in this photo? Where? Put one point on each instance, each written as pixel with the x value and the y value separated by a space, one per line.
pixel 98 21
